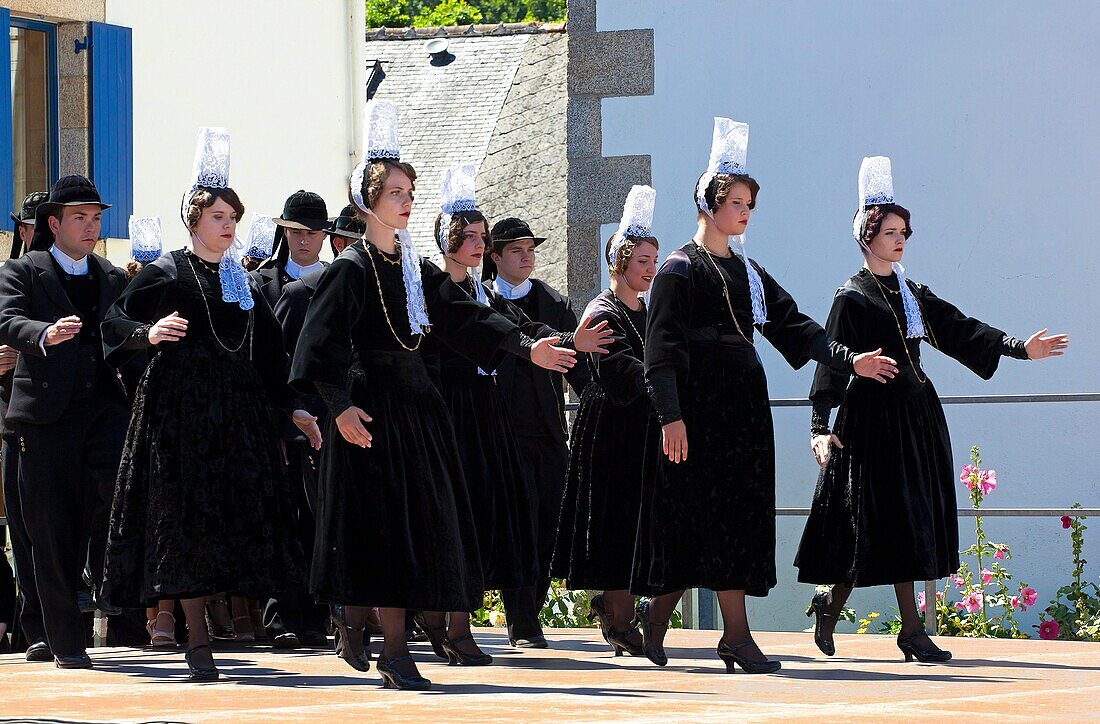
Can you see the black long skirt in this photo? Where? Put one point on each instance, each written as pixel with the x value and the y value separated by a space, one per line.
pixel 612 448
pixel 394 525
pixel 502 497
pixel 201 503
pixel 709 522
pixel 884 510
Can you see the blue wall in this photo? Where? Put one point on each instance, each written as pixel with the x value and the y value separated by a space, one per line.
pixel 990 112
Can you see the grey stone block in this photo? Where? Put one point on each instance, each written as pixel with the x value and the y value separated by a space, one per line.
pixel 613 63
pixel 598 187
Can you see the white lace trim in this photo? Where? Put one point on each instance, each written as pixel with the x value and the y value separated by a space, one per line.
pixel 146 239
pixel 456 193
pixel 260 236
pixel 636 221
pixel 729 150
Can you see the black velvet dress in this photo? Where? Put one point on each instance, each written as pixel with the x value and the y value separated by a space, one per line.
pixel 709 522
pixel 201 504
pixel 394 522
pixel 884 510
pixel 615 441
pixel 502 497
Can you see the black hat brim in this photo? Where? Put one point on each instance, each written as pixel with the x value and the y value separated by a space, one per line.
pixel 344 233
pixel 497 243
pixel 46 207
pixel 303 224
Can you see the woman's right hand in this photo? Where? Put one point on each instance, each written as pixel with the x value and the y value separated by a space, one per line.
pixel 555 359
pixel 172 328
pixel 350 423
pixel 675 440
pixel 820 445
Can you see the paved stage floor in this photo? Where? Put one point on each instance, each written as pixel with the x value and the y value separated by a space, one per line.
pixel 577 680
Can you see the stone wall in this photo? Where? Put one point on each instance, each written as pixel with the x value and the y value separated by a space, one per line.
pixel 524 173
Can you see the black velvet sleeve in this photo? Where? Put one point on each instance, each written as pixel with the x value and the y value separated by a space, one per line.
pixel 620 373
pixel 17 329
pixel 975 344
pixel 336 398
pixel 580 374
pixel 797 337
pixel 666 349
pixel 819 418
pixel 843 325
pixel 324 351
pixel 268 354
pixel 1014 348
pixel 126 325
pixel 475 331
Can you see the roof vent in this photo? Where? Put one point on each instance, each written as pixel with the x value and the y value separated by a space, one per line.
pixel 437 49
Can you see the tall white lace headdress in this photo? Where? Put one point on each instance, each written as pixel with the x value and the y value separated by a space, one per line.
pixel 146 240
pixel 381 142
pixel 211 170
pixel 260 239
pixel 729 148
pixel 876 186
pixel 636 221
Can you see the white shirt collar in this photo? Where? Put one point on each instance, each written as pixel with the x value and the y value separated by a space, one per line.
pixel 76 267
pixel 509 291
pixel 296 271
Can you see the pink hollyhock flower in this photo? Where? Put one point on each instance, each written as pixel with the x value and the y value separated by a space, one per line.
pixel 1048 629
pixel 972 601
pixel 1029 596
pixel 964 476
pixel 988 481
pixel 1015 601
pixel 920 601
pixel 1066 521
pixel 957 580
pixel 987 576
pixel 1000 554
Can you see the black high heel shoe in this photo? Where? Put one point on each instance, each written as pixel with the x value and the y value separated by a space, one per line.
pixel 345 634
pixel 732 659
pixel 654 652
pixel 223 632
pixel 200 673
pixel 436 636
pixel 908 646
pixel 620 640
pixel 819 605
pixel 394 679
pixel 454 656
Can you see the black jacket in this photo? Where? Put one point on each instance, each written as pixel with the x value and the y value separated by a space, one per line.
pixel 272 280
pixel 544 402
pixel 31 299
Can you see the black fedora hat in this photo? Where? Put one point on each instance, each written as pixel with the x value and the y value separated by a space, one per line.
pixel 75 190
pixel 513 229
pixel 304 210
pixel 347 224
pixel 30 204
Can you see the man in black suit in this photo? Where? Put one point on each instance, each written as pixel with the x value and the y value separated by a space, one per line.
pixel 28 627
pixel 68 409
pixel 293 617
pixel 536 398
pixel 300 233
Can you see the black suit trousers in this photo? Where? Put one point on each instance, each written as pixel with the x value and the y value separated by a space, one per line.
pixel 67 472
pixel 544 460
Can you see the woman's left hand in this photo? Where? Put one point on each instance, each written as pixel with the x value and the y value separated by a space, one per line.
pixel 1040 347
pixel 307 423
pixel 595 338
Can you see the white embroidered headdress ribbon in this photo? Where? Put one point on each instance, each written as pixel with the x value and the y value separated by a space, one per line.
pixel 636 221
pixel 260 239
pixel 211 170
pixel 146 242
pixel 876 186
pixel 381 142
pixel 729 148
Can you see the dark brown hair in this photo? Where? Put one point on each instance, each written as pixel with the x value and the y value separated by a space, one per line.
pixel 877 214
pixel 719 188
pixel 459 222
pixel 626 251
pixel 204 198
pixel 375 178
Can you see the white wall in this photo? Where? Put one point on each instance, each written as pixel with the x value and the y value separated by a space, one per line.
pixel 990 113
pixel 288 85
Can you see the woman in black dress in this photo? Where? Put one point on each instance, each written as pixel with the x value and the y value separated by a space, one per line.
pixel 201 504
pixel 884 510
pixel 614 439
pixel 502 497
pixel 708 520
pixel 394 524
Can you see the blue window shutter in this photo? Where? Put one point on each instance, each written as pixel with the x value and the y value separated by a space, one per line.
pixel 7 155
pixel 112 123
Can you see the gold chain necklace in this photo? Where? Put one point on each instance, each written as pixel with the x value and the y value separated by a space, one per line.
pixel 210 317
pixel 382 298
pixel 385 258
pixel 725 289
pixel 627 315
pixel 897 323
